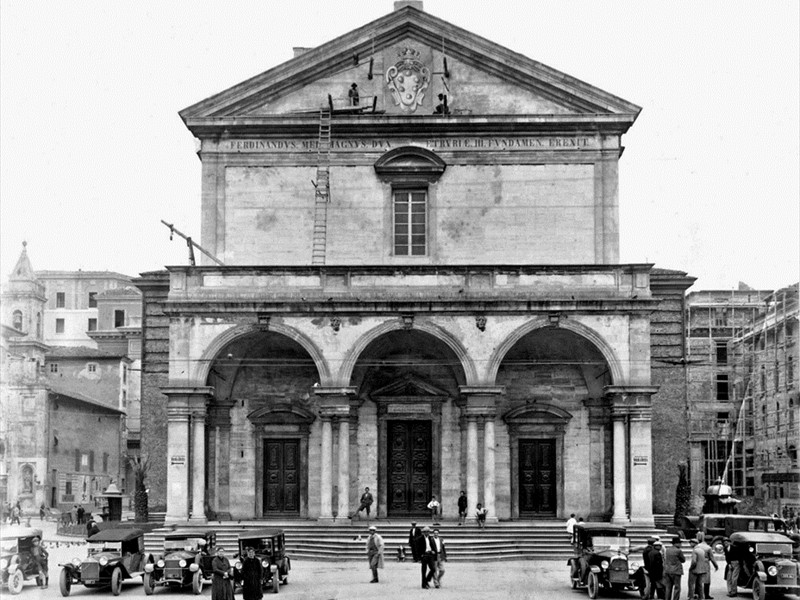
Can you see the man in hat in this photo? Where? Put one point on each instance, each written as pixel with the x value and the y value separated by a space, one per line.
pixel 413 540
pixel 654 565
pixel 733 561
pixel 374 552
pixel 427 551
pixel 702 560
pixel 673 569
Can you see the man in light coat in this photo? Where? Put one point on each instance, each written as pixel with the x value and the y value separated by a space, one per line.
pixel 702 559
pixel 374 552
pixel 673 569
pixel 441 558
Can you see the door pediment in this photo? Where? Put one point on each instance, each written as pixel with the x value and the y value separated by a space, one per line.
pixel 409 387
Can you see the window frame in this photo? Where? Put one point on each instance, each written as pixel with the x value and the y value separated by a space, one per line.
pixel 61 299
pixel 61 326
pixel 410 202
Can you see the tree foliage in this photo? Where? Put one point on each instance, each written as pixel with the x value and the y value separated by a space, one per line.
pixel 140 465
pixel 683 495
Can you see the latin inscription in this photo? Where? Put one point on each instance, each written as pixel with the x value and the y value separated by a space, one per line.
pixel 452 143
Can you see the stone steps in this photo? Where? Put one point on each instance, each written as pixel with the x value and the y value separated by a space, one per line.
pixel 345 542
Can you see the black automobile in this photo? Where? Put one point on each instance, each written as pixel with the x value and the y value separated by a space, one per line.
pixel 767 565
pixel 716 527
pixel 603 560
pixel 113 555
pixel 186 561
pixel 17 563
pixel 270 549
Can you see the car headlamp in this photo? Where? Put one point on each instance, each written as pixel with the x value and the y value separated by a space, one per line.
pixel 773 570
pixel 265 563
pixel 160 564
pixel 148 568
pixel 3 563
pixel 194 567
pixel 238 566
pixel 604 564
pixel 633 566
pixel 76 562
pixel 751 549
pixel 103 561
pixel 182 564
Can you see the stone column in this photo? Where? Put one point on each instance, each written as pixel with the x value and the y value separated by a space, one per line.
pixel 488 468
pixel 472 465
pixel 343 511
pixel 620 469
pixel 640 416
pixel 198 513
pixel 326 490
pixel 182 402
pixel 219 458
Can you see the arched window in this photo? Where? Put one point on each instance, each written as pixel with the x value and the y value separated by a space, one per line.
pixel 17 320
pixel 27 479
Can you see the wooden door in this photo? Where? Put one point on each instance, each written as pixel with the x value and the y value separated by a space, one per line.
pixel 537 477
pixel 281 477
pixel 408 446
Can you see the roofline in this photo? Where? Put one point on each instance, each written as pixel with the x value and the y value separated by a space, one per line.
pixel 78 397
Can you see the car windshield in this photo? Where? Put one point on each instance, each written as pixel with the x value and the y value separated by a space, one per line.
pixel 104 547
pixel 8 546
pixel 774 549
pixel 189 544
pixel 607 542
pixel 261 546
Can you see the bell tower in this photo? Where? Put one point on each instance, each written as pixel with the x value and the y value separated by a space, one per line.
pixel 23 300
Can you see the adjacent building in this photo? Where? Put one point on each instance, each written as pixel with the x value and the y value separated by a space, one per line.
pixel 416 290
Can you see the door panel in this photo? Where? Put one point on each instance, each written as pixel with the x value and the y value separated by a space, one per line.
pixel 537 477
pixel 408 448
pixel 281 477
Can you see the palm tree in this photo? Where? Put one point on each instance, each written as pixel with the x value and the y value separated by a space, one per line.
pixel 140 465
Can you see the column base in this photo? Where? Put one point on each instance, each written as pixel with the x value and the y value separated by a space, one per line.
pixel 643 521
pixel 198 520
pixel 326 520
pixel 620 520
pixel 168 518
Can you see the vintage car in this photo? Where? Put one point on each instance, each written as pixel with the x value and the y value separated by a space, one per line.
pixel 604 561
pixel 716 527
pixel 767 565
pixel 16 560
pixel 113 555
pixel 270 549
pixel 186 561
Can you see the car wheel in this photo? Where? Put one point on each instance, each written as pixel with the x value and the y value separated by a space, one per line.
pixel 197 583
pixel 65 582
pixel 149 584
pixel 15 581
pixel 116 581
pixel 593 585
pixel 759 591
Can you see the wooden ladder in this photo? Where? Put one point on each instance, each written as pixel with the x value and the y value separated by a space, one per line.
pixel 322 193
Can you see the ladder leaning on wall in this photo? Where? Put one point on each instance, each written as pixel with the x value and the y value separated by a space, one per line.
pixel 322 193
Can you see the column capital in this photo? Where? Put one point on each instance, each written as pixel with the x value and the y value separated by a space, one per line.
pixel 482 390
pixel 630 399
pixel 335 402
pixel 480 400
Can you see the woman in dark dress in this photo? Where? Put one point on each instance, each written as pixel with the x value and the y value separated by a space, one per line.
pixel 251 576
pixel 221 587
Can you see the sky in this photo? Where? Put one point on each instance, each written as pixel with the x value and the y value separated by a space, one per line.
pixel 93 153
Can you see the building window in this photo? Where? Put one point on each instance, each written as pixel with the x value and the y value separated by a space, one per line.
pixel 54 367
pixel 764 417
pixel 791 414
pixel 92 299
pixel 410 222
pixel 777 417
pixel 61 299
pixel 720 317
pixel 105 462
pixel 790 372
pixel 124 373
pixel 16 320
pixel 119 318
pixel 68 488
pixel 59 325
pixel 91 367
pixel 84 462
pixel 722 353
pixel 91 325
pixel 763 378
pixel 124 398
pixel 776 377
pixel 722 386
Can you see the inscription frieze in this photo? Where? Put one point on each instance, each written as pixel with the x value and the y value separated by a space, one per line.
pixel 438 143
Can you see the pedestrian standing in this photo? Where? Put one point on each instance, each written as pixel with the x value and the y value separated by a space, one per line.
pixel 462 508
pixel 374 552
pixel 91 528
pixel 480 514
pixel 702 560
pixel 81 514
pixel 427 551
pixel 691 578
pixel 673 569
pixel 434 507
pixel 413 540
pixel 15 514
pixel 734 565
pixel 221 588
pixel 654 564
pixel 252 574
pixel 365 503
pixel 571 526
pixel 441 558
pixel 42 512
pixel 39 557
pixel 73 515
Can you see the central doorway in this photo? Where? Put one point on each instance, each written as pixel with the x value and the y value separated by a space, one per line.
pixel 537 477
pixel 281 478
pixel 408 447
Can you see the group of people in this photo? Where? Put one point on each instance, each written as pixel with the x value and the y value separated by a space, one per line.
pixel 434 506
pixel 427 548
pixel 665 568
pixel 12 514
pixel 222 576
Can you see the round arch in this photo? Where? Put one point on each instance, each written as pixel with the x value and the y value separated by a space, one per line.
pixel 203 366
pixel 580 329
pixel 346 369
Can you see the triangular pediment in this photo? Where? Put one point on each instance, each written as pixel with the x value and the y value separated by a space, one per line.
pixel 479 78
pixel 408 386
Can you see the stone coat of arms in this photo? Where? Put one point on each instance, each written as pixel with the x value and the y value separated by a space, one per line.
pixel 408 79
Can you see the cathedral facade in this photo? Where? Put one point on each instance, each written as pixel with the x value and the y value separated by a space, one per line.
pixel 415 287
